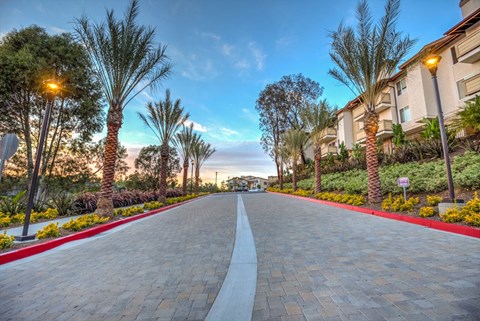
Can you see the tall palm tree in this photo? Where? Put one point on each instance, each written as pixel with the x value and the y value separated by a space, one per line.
pixel 126 62
pixel 317 119
pixel 201 151
pixel 164 118
pixel 185 140
pixel 366 58
pixel 294 140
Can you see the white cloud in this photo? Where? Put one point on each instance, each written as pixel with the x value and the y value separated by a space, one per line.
pixel 196 126
pixel 258 55
pixel 248 114
pixel 229 132
pixel 242 64
pixel 227 49
pixel 210 35
pixel 57 29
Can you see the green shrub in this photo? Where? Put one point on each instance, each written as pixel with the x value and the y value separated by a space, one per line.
pixel 301 192
pixel 398 203
pixel 433 200
pixel 152 205
pixel 84 222
pixel 12 205
pixel 6 241
pixel 426 211
pixel 452 215
pixel 50 230
pixel 5 221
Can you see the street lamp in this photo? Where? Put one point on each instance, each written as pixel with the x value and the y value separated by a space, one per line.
pixel 191 178
pixel 216 173
pixel 431 62
pixel 52 87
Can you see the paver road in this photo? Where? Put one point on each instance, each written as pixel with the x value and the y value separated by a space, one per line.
pixel 314 262
pixel 317 262
pixel 167 267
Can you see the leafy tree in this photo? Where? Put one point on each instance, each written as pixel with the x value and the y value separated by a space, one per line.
pixel 126 61
pixel 164 118
pixel 149 165
pixel 28 57
pixel 294 139
pixel 318 118
pixel 280 106
pixel 185 140
pixel 201 151
pixel 365 58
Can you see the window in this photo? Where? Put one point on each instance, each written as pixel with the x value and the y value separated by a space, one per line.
pixel 405 114
pixel 401 86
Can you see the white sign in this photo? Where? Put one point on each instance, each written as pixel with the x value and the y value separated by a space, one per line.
pixel 403 182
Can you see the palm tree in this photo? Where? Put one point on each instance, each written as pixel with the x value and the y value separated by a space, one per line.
pixel 318 118
pixel 126 62
pixel 185 140
pixel 201 151
pixel 294 140
pixel 164 118
pixel 366 58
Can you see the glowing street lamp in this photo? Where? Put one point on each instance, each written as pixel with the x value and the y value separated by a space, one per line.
pixel 52 88
pixel 431 62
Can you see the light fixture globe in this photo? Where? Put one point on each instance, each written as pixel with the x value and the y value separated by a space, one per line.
pixel 431 62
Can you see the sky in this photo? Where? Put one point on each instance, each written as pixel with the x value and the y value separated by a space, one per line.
pixel 225 52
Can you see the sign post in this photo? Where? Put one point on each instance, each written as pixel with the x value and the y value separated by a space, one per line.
pixel 403 182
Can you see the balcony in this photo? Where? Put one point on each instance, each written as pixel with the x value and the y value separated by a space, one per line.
pixel 384 102
pixel 384 131
pixel 472 85
pixel 328 149
pixel 468 49
pixel 328 134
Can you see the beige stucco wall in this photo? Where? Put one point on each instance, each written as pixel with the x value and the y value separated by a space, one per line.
pixel 469 6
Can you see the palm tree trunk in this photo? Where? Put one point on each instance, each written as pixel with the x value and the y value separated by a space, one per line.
pixel 163 174
pixel 114 122
pixel 294 176
pixel 371 129
pixel 197 179
pixel 185 177
pixel 280 176
pixel 318 171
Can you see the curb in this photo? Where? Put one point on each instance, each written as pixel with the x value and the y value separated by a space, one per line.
pixel 436 225
pixel 42 247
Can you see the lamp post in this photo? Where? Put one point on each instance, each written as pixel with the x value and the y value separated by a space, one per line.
pixel 216 174
pixel 52 88
pixel 191 178
pixel 431 62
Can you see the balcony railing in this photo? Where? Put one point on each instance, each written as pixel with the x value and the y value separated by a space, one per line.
pixel 472 85
pixel 384 102
pixel 384 130
pixel 328 134
pixel 328 149
pixel 465 48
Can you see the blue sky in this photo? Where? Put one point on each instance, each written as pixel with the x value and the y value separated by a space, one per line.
pixel 224 53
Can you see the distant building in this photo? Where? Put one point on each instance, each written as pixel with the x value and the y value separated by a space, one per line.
pixel 244 183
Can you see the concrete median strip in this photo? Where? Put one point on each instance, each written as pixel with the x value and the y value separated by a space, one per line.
pixel 235 299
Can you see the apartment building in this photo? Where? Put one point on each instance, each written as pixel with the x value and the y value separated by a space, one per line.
pixel 247 182
pixel 409 96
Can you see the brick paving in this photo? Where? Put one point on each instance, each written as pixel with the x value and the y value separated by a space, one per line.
pixel 167 267
pixel 317 262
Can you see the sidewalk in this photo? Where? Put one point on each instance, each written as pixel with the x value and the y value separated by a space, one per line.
pixel 33 228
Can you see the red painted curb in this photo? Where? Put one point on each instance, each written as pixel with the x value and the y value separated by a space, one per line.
pixel 42 247
pixel 442 226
